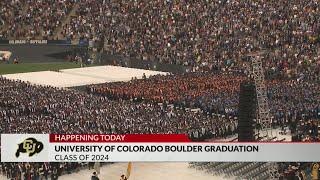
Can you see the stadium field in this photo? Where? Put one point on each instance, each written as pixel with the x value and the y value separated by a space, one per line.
pixel 33 67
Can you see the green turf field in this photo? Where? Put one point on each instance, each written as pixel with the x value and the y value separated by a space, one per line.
pixel 33 67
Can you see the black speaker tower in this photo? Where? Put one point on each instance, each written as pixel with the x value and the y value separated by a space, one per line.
pixel 247 109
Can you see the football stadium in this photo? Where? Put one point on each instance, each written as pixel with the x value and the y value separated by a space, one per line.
pixel 227 71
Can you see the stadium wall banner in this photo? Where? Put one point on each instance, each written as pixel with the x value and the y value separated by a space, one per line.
pixel 35 42
pixel 147 148
pixel 27 53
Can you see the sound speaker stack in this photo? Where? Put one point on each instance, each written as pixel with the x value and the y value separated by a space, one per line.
pixel 247 109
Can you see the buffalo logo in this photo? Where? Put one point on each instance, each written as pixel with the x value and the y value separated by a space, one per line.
pixel 30 146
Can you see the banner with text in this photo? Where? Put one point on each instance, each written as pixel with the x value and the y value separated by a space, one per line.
pixel 35 42
pixel 153 147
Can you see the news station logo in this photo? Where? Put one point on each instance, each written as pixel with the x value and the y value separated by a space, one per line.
pixel 30 146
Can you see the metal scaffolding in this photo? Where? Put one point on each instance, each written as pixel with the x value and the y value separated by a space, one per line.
pixel 261 90
pixel 263 118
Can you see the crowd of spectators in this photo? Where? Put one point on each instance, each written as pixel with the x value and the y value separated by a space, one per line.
pixel 52 110
pixel 36 171
pixel 203 35
pixel 26 108
pixel 215 93
pixel 88 22
pixel 298 171
pixel 32 19
pixel 294 101
pixel 9 13
pixel 306 131
pixel 182 90
pixel 302 131
pixel 206 35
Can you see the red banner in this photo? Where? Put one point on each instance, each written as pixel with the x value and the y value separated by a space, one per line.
pixel 85 138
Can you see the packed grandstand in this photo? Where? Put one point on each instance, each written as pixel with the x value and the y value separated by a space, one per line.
pixel 211 39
